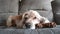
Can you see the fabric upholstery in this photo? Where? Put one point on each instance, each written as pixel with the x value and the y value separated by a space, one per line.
pixel 55 30
pixel 7 8
pixel 56 11
pixel 41 6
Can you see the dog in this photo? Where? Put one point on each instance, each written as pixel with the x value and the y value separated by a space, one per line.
pixel 28 20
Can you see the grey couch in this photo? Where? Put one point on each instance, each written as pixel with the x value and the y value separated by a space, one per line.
pixel 46 8
pixel 56 11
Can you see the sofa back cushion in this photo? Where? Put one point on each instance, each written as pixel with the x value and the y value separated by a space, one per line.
pixel 42 6
pixel 56 11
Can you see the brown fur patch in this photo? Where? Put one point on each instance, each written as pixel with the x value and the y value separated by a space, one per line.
pixel 14 20
pixel 46 25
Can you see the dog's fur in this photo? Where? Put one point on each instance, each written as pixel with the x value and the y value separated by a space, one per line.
pixel 45 25
pixel 15 21
pixel 28 20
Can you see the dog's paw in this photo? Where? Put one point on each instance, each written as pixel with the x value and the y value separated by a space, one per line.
pixel 53 24
pixel 46 25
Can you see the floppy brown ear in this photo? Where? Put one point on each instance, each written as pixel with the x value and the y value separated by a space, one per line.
pixel 21 23
pixel 24 14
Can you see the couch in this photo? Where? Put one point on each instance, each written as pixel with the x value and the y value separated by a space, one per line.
pixel 45 8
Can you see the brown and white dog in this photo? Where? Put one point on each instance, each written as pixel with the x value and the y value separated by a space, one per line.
pixel 28 20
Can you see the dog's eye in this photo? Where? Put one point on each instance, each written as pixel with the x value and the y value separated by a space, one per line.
pixel 34 18
pixel 26 14
pixel 26 18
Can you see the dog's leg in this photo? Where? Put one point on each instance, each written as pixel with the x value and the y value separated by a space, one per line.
pixel 19 24
pixel 46 25
pixel 46 20
pixel 9 20
pixel 53 24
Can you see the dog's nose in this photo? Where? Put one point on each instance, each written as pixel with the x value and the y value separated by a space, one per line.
pixel 27 25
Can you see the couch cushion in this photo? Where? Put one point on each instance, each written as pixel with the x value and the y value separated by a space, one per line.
pixel 35 4
pixel 4 17
pixel 13 30
pixel 7 7
pixel 41 6
pixel 56 11
pixel 55 30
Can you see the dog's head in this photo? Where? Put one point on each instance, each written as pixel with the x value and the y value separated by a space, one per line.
pixel 31 18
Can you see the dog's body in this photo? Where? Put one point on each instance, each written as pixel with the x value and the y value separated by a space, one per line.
pixel 27 19
pixel 15 21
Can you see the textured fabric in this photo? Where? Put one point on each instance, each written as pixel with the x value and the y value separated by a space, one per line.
pixel 7 8
pixel 35 4
pixel 56 11
pixel 55 30
pixel 41 6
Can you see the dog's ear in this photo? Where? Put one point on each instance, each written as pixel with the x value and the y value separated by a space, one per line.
pixel 24 14
pixel 21 24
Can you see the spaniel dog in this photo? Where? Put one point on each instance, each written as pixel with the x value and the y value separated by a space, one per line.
pixel 28 20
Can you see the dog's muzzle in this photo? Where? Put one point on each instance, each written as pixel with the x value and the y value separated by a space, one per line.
pixel 28 25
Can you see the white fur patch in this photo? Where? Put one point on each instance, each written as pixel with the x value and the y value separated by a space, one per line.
pixel 37 20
